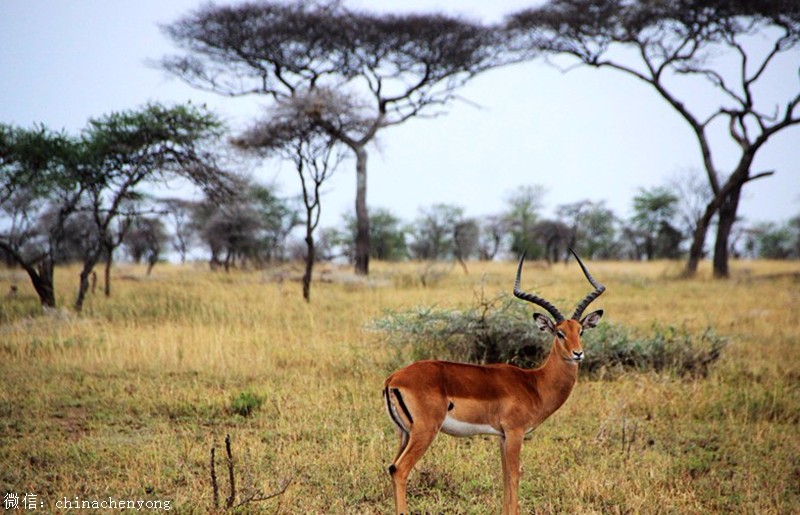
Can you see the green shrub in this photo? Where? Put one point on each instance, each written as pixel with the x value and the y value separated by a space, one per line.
pixel 494 331
pixel 500 330
pixel 246 403
pixel 614 348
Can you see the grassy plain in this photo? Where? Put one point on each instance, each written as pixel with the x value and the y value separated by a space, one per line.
pixel 126 399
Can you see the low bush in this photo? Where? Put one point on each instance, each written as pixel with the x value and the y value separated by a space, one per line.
pixel 246 403
pixel 501 330
pixel 614 348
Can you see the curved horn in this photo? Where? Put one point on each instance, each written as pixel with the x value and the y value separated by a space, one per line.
pixel 598 289
pixel 533 298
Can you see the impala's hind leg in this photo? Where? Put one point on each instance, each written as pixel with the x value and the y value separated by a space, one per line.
pixel 418 443
pixel 415 438
pixel 403 443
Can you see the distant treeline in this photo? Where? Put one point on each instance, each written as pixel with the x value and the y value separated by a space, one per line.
pixel 260 228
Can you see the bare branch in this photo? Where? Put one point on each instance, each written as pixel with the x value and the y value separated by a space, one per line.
pixel 231 476
pixel 256 496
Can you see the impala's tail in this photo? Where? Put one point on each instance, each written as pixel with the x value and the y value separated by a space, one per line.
pixel 394 399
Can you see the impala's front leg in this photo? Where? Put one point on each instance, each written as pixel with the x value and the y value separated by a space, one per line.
pixel 510 447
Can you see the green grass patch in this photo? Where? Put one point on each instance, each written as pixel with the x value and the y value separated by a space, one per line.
pixel 246 403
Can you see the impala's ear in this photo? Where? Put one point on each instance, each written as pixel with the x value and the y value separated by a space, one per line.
pixel 544 323
pixel 592 319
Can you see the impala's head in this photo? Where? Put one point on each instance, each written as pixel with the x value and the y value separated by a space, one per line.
pixel 566 333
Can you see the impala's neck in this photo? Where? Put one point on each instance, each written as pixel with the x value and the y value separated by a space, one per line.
pixel 554 380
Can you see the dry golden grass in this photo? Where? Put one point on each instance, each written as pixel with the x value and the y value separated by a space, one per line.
pixel 126 399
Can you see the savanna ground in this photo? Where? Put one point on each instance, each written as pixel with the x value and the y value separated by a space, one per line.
pixel 127 399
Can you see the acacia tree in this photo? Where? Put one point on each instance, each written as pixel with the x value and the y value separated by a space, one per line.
pixel 251 224
pixel 387 236
pixel 524 205
pixel 40 191
pixel 553 237
pixel 654 210
pixel 466 233
pixel 144 240
pixel 403 66
pixel 592 228
pixel 668 42
pixel 492 233
pixel 290 135
pixel 125 150
pixel 179 211
pixel 771 240
pixel 442 231
pixel 694 194
pixel 231 231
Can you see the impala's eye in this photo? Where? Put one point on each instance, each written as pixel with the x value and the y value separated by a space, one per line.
pixel 561 335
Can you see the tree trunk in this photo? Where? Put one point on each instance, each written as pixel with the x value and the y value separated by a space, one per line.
pixel 649 248
pixel 727 217
pixel 151 262
pixel 727 200
pixel 41 276
pixel 43 283
pixel 83 287
pixel 462 263
pixel 699 234
pixel 310 255
pixel 362 216
pixel 228 260
pixel 698 242
pixel 107 274
pixel 727 204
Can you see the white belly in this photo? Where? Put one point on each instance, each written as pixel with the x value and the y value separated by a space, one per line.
pixel 455 427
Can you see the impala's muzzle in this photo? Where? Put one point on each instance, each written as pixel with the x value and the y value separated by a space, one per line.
pixel 577 356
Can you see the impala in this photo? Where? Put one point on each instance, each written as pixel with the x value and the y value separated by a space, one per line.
pixel 458 399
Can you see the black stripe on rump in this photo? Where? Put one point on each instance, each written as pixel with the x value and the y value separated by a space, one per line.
pixel 390 408
pixel 403 406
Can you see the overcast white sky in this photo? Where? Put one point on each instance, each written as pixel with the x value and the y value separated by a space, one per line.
pixel 587 134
